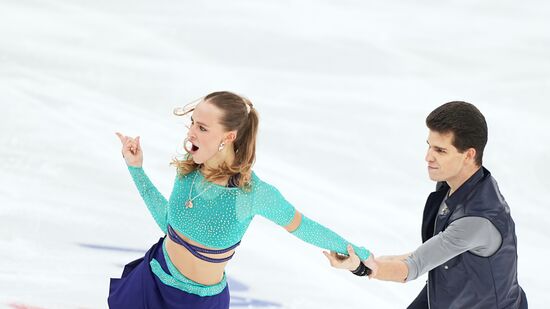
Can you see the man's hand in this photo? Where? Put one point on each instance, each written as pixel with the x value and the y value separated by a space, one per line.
pixel 371 263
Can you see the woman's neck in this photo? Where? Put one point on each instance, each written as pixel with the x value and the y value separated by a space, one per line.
pixel 226 156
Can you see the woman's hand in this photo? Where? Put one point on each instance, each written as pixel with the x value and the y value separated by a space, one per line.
pixel 352 261
pixel 341 261
pixel 131 150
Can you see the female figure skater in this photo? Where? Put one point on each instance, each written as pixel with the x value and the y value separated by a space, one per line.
pixel 215 197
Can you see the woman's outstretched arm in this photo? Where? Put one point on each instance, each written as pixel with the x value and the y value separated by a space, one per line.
pixel 155 201
pixel 270 204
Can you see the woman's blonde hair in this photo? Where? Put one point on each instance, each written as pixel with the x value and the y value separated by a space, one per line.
pixel 238 114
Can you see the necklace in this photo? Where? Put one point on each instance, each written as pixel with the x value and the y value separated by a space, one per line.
pixel 189 203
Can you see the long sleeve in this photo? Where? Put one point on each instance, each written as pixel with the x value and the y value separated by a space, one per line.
pixel 320 236
pixel 475 234
pixel 156 203
pixel 270 203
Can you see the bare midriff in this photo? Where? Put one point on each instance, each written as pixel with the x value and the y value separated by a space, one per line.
pixel 193 268
pixel 204 272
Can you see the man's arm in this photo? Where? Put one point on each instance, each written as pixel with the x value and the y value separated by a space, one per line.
pixel 392 270
pixel 392 267
pixel 401 257
pixel 476 234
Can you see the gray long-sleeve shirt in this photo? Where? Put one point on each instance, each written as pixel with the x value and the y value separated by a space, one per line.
pixel 475 234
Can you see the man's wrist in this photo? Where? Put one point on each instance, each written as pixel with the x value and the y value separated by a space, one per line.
pixel 361 270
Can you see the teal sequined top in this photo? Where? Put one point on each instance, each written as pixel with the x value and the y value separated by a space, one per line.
pixel 221 215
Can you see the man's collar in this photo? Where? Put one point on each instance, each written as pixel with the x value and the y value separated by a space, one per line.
pixel 467 187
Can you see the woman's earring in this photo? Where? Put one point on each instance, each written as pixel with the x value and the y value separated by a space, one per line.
pixel 220 148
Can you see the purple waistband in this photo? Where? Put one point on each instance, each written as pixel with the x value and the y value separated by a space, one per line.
pixel 196 251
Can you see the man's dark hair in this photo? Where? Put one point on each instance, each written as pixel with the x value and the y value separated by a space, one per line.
pixel 466 123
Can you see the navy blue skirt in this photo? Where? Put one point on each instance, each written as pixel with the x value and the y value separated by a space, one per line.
pixel 139 288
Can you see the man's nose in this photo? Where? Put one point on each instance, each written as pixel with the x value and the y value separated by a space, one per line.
pixel 429 157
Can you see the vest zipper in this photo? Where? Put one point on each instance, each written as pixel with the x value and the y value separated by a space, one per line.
pixel 428 280
pixel 428 290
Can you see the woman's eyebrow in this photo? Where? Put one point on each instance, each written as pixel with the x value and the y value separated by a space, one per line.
pixel 200 123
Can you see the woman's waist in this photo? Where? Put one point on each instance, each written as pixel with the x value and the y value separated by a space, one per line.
pixel 195 268
pixel 202 284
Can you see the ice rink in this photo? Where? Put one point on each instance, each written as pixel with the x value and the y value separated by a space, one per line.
pixel 342 88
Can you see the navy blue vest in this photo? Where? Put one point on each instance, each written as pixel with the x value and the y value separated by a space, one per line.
pixel 467 280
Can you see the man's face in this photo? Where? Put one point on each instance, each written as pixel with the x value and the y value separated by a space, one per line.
pixel 445 163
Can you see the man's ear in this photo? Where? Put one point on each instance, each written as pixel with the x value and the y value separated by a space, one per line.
pixel 471 154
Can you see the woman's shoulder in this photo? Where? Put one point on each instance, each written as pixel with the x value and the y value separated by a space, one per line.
pixel 256 181
pixel 254 177
pixel 259 185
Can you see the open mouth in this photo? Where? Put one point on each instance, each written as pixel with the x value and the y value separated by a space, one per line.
pixel 190 147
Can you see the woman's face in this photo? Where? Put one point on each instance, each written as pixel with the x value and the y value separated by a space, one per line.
pixel 206 133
